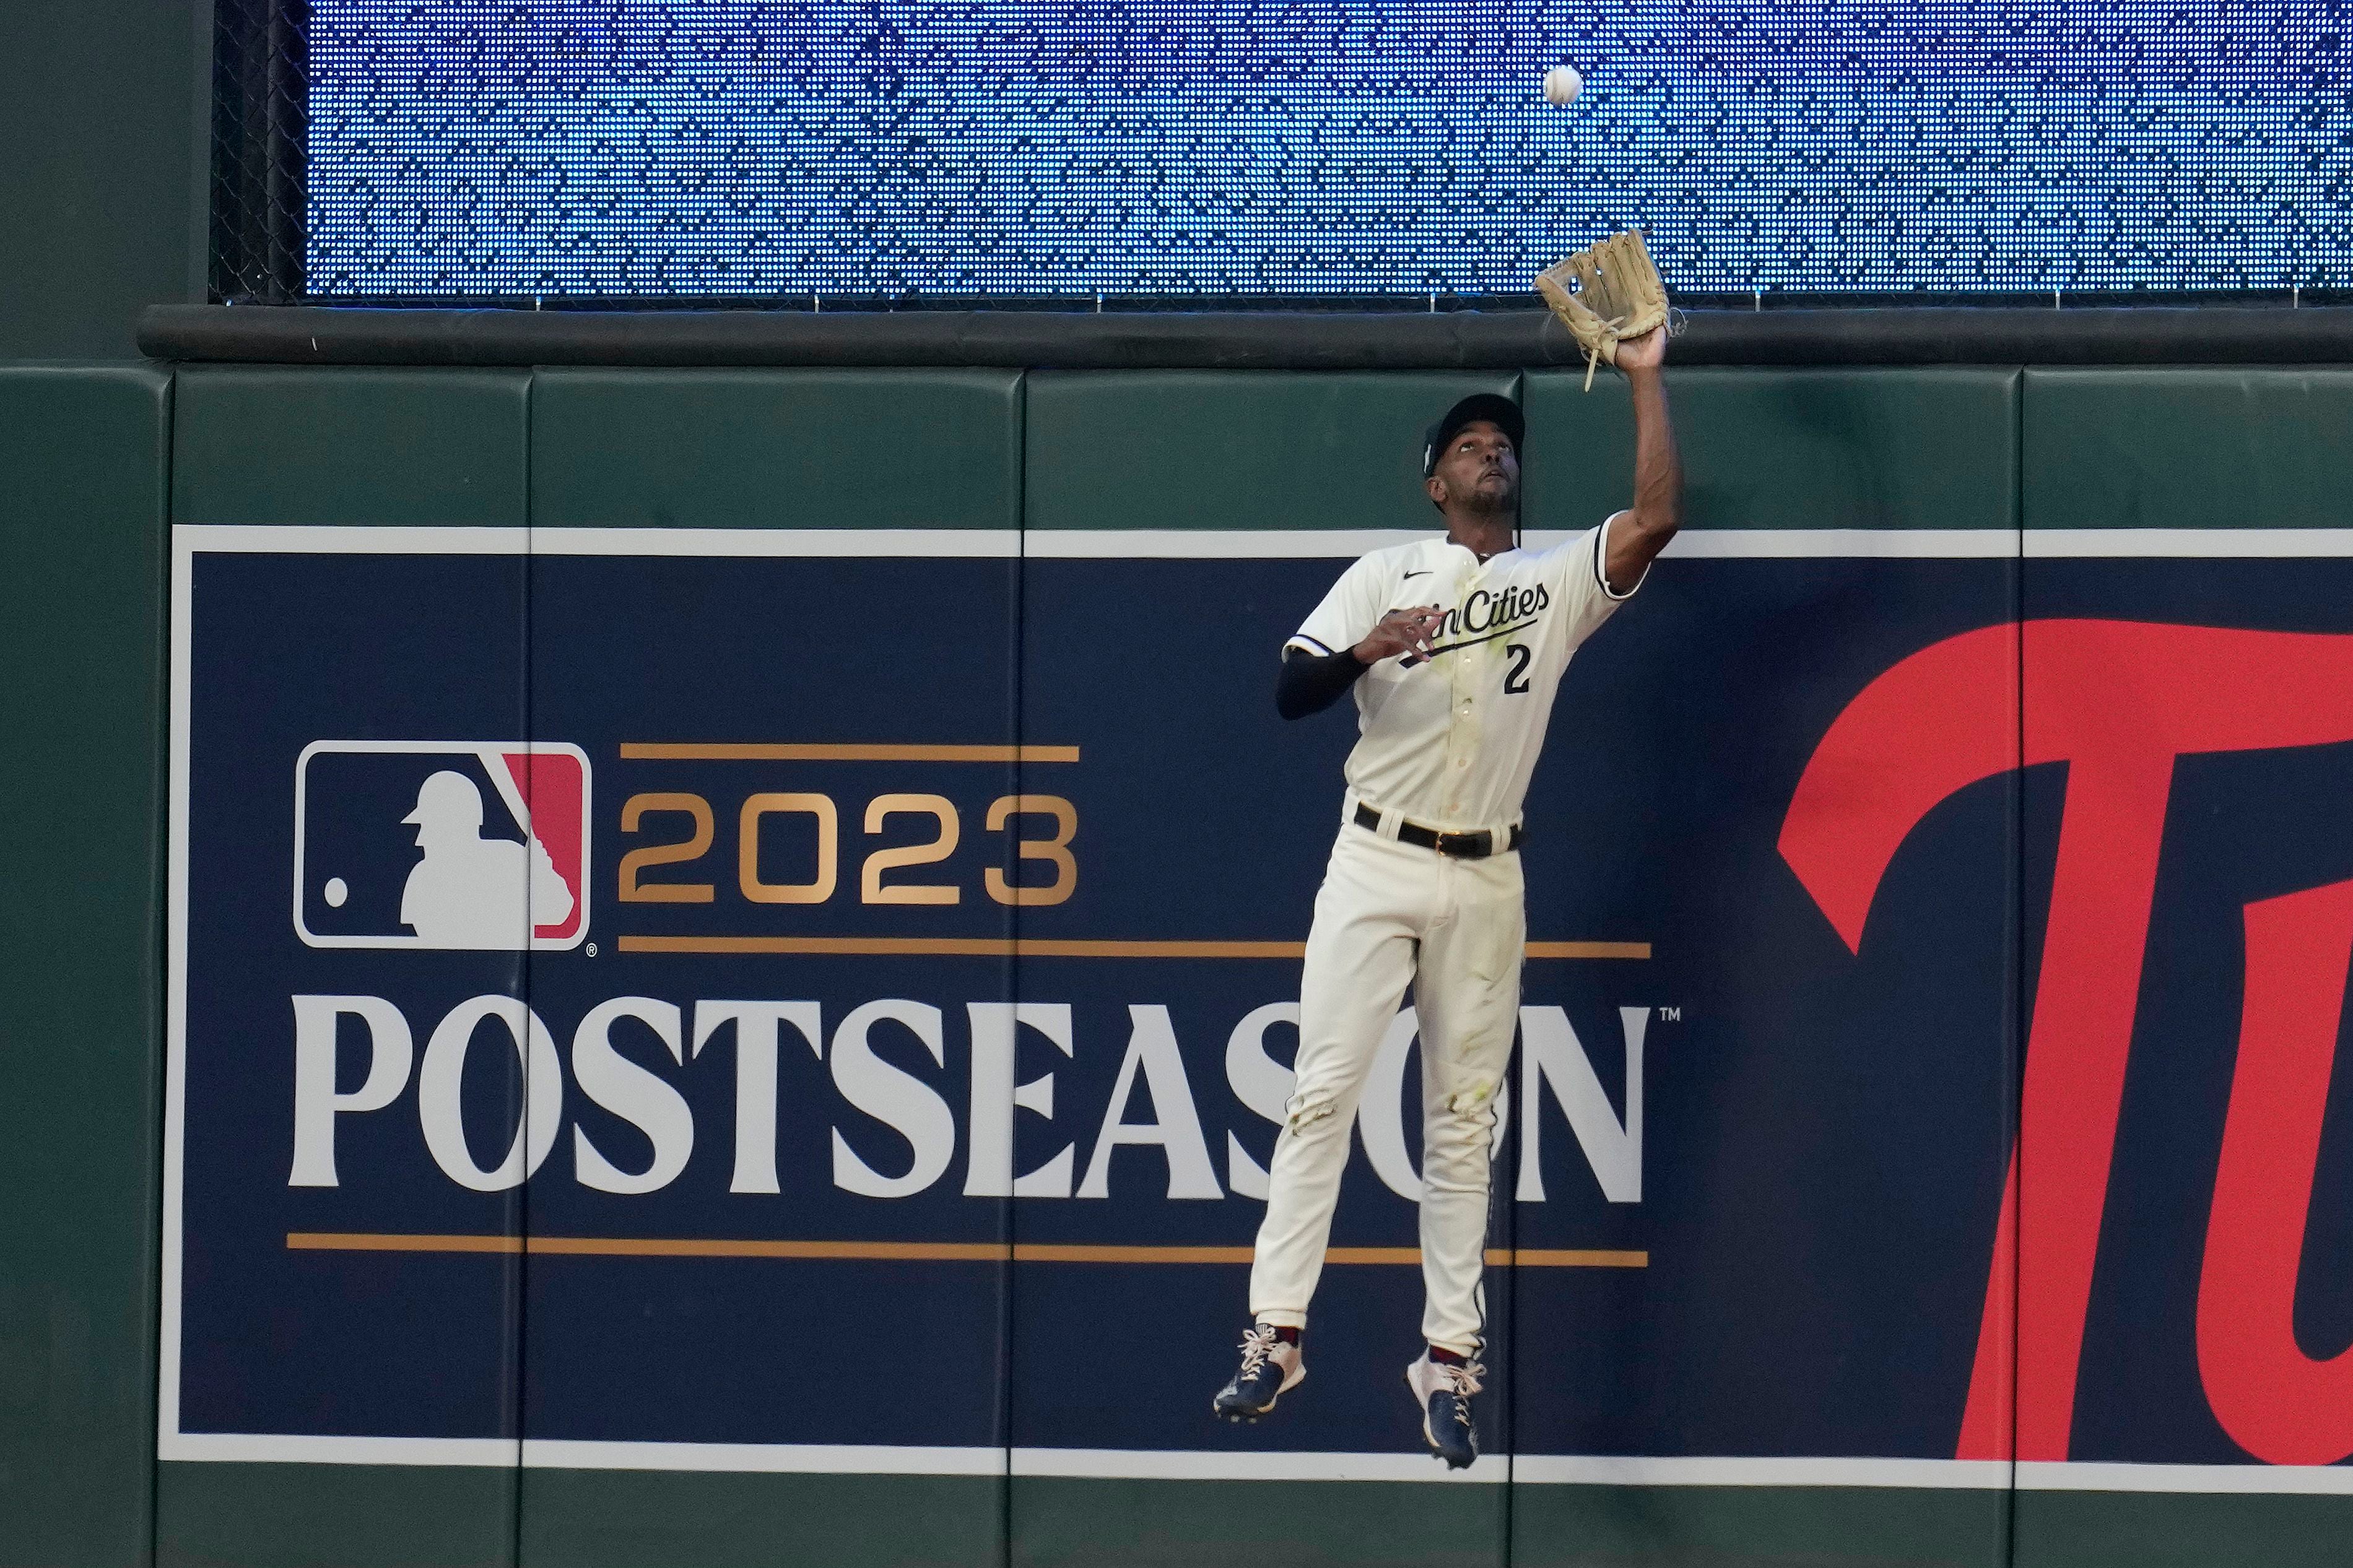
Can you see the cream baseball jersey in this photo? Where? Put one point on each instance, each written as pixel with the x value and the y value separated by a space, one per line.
pixel 1449 741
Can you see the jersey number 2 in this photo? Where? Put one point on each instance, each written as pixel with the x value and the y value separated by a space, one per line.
pixel 1516 679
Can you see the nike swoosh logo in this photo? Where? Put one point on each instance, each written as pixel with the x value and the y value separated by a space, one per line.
pixel 1413 574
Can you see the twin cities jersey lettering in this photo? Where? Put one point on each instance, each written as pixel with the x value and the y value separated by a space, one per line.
pixel 1449 741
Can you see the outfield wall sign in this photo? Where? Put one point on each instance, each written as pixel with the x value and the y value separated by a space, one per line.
pixel 773 942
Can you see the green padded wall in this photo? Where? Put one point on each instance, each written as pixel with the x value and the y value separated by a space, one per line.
pixel 221 1515
pixel 359 447
pixel 2188 449
pixel 1795 448
pixel 1758 1527
pixel 107 191
pixel 1061 1523
pixel 365 448
pixel 1214 449
pixel 86 454
pixel 2181 1530
pixel 658 1518
pixel 852 448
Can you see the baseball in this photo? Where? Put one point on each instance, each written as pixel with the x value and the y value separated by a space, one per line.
pixel 1561 85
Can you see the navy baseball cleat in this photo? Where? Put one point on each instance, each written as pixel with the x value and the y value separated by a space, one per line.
pixel 1271 1367
pixel 1443 1390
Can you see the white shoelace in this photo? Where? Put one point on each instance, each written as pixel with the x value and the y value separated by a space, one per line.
pixel 1257 1345
pixel 1461 1380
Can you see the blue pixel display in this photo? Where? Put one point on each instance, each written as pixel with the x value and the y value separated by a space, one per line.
pixel 1218 147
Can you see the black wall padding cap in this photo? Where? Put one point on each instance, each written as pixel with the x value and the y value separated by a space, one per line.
pixel 1234 340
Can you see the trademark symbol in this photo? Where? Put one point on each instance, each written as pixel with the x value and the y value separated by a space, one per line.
pixel 1666 1015
pixel 592 952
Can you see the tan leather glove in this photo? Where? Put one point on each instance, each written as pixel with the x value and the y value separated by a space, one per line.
pixel 1606 294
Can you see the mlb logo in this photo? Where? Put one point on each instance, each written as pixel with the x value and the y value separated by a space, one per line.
pixel 435 844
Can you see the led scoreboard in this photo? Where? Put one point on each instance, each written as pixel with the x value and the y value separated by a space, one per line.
pixel 1219 148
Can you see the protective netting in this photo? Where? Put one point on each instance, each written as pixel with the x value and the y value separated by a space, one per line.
pixel 435 148
pixel 260 91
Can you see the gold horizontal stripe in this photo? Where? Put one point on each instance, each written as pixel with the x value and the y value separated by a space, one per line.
pixel 1570 1258
pixel 961 947
pixel 362 1241
pixel 1046 947
pixel 908 1251
pixel 766 752
pixel 1056 1252
pixel 1588 950
pixel 697 1247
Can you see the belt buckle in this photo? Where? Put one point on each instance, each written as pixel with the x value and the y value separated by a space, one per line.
pixel 1463 846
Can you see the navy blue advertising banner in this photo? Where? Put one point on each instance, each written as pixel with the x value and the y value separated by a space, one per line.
pixel 611 974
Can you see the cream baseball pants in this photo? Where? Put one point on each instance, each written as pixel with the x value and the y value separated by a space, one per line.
pixel 1390 914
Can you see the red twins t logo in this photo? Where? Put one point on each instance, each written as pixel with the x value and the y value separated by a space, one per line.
pixel 441 845
pixel 2118 702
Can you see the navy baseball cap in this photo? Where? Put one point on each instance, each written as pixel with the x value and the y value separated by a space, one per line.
pixel 1494 407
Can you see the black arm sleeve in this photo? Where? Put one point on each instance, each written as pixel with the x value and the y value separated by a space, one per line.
pixel 1312 682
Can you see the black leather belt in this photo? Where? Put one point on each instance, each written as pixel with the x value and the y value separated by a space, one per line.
pixel 1461 846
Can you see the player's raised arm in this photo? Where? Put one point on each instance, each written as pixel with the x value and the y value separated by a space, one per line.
pixel 1658 471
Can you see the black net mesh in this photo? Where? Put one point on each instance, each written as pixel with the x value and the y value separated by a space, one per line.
pixel 1388 152
pixel 261 98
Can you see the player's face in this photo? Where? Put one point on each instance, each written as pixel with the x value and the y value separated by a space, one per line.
pixel 1479 469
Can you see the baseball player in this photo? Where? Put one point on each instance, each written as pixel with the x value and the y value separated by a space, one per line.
pixel 1454 647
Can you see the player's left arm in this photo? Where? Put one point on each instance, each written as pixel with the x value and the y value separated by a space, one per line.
pixel 1658 471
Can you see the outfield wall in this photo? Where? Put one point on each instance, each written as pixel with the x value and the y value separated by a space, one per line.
pixel 903 1032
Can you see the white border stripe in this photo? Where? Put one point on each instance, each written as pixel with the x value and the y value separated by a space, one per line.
pixel 1213 544
pixel 775 1459
pixel 2202 543
pixel 175 1010
pixel 1699 544
pixel 334 540
pixel 2082 1476
pixel 311 1448
pixel 1870 543
pixel 1216 1465
pixel 1609 1470
pixel 263 539
pixel 1219 1464
pixel 1256 544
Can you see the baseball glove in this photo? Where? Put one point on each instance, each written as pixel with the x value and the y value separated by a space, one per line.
pixel 1605 295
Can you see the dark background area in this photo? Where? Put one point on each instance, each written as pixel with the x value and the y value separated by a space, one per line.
pixel 102 194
